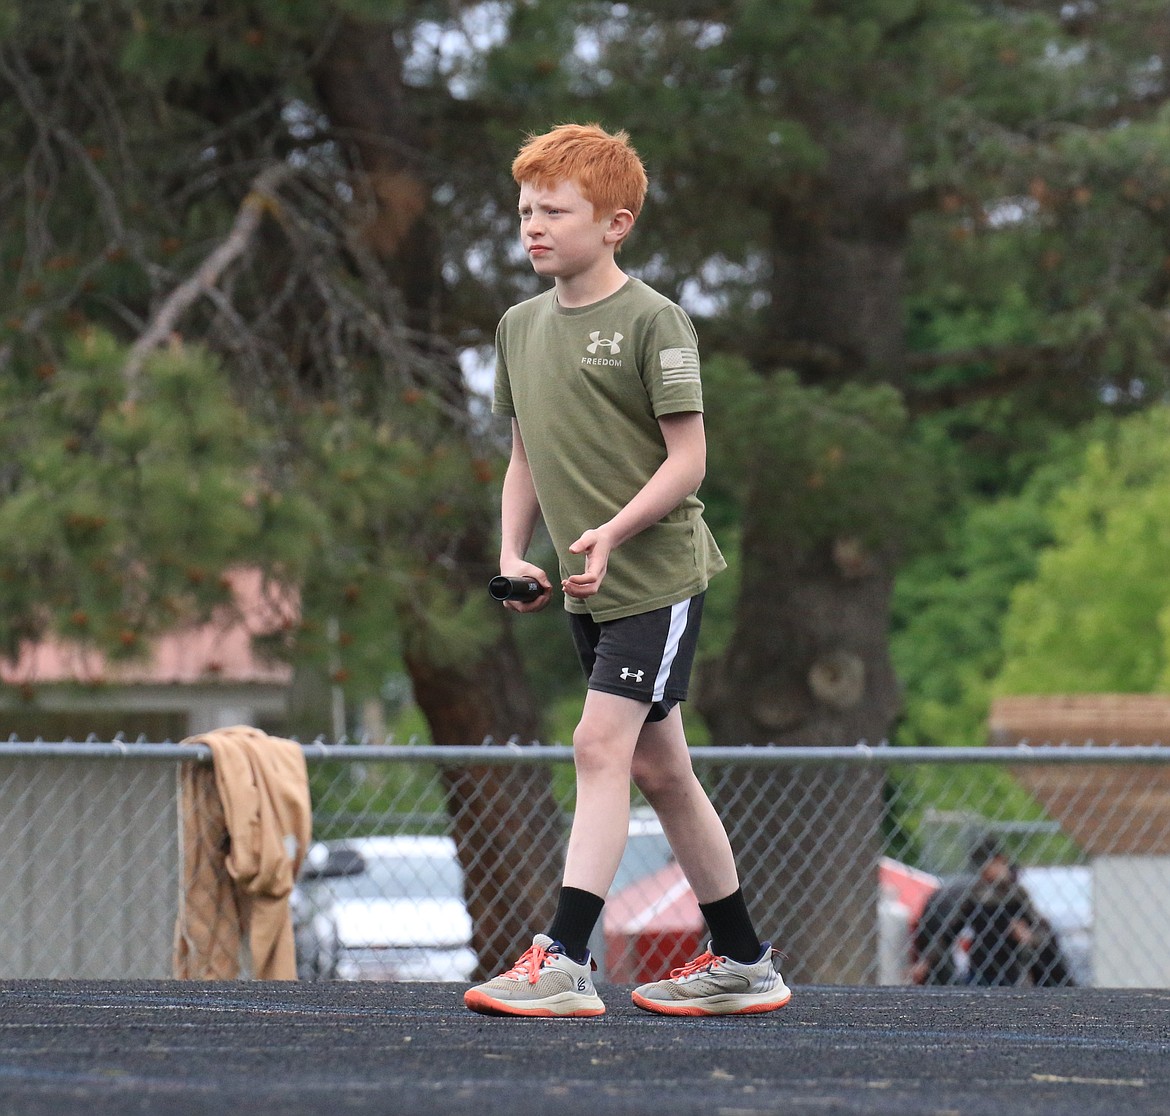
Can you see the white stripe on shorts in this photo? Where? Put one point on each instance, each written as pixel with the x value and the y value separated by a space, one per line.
pixel 678 625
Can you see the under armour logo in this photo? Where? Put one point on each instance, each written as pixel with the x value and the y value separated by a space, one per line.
pixel 596 341
pixel 627 674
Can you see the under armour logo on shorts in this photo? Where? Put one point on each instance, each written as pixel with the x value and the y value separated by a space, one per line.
pixel 627 674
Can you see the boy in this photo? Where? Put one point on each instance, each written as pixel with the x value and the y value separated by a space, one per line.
pixel 600 377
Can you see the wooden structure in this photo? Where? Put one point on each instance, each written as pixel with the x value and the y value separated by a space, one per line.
pixel 1109 809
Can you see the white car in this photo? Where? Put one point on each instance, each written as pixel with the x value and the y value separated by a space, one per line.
pixel 392 908
pixel 395 911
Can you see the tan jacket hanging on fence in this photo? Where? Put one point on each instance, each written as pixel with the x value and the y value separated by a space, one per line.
pixel 245 823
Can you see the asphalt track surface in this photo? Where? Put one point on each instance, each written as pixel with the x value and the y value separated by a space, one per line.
pixel 99 1047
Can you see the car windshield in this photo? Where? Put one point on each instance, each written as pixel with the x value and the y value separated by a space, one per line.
pixel 402 877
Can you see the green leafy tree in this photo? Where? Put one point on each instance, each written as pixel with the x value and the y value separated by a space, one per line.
pixel 123 515
pixel 949 609
pixel 1095 618
pixel 249 188
pixel 828 171
pixel 946 219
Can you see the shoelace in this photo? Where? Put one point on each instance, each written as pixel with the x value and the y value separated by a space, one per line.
pixel 700 964
pixel 529 965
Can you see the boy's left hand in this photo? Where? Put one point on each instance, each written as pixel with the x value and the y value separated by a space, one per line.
pixel 595 545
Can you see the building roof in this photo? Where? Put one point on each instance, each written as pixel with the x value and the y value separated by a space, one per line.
pixel 219 651
pixel 1108 809
pixel 1080 719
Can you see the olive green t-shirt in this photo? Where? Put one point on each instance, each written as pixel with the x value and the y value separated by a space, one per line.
pixel 587 386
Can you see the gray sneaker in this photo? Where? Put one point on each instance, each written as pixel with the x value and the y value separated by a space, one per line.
pixel 711 985
pixel 541 983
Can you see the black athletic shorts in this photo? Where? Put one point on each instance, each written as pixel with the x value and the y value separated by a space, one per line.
pixel 647 657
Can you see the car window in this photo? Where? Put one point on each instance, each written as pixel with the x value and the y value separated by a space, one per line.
pixel 402 877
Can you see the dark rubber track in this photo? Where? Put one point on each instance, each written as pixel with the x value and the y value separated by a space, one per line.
pixel 105 1047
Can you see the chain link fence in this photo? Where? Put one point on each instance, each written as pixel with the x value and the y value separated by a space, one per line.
pixel 439 863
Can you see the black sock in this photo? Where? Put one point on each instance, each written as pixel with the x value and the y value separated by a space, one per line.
pixel 577 914
pixel 732 933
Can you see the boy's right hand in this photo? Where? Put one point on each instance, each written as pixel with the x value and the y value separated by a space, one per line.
pixel 527 569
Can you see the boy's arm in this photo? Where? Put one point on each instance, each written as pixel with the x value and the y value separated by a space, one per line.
pixel 519 511
pixel 676 478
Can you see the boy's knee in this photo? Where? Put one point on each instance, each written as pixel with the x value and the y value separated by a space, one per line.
pixel 655 780
pixel 591 750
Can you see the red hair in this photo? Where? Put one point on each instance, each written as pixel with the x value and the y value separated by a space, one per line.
pixel 604 167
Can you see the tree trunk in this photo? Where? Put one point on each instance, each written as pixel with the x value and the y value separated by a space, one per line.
pixel 507 826
pixel 838 254
pixel 359 79
pixel 806 666
pixel 808 663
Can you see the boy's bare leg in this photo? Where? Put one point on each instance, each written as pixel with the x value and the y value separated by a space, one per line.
pixel 548 980
pixel 603 750
pixel 729 978
pixel 614 742
pixel 663 773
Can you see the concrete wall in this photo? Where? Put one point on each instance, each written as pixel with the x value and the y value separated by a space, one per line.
pixel 89 875
pixel 1131 895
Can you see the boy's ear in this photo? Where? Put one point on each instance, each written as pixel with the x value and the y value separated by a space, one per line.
pixel 619 226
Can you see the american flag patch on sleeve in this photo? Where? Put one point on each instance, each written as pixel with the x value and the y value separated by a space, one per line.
pixel 679 366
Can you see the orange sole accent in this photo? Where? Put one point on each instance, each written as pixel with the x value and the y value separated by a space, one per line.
pixel 485 1005
pixel 694 1011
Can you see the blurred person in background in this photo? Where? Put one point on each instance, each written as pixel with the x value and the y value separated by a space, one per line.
pixel 1007 942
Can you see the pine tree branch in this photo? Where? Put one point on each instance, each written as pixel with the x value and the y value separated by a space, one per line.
pixel 1013 366
pixel 259 200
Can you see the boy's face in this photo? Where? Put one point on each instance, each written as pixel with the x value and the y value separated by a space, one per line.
pixel 559 232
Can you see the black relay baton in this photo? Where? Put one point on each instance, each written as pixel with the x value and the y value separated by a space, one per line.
pixel 522 589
